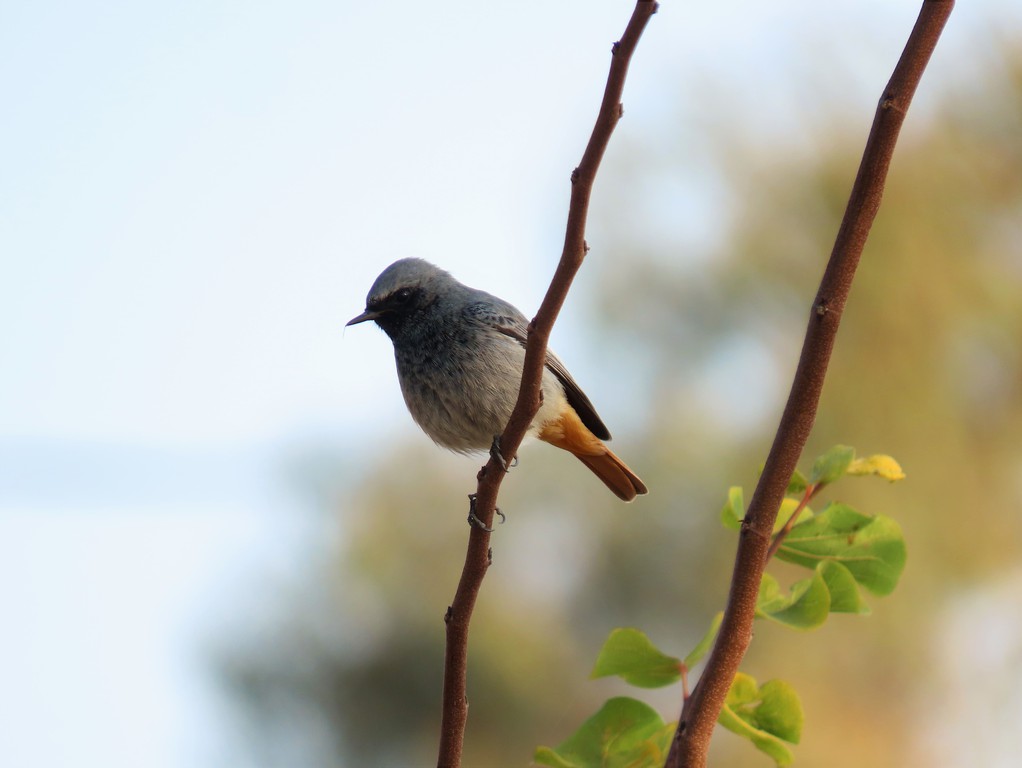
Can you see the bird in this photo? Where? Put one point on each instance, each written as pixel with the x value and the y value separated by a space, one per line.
pixel 460 353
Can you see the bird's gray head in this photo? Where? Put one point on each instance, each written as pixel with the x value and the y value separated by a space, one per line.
pixel 402 291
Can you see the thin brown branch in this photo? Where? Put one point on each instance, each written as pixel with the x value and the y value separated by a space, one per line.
pixel 700 712
pixel 455 700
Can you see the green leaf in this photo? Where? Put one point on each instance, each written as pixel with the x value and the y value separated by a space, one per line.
pixel 704 645
pixel 629 654
pixel 831 465
pixel 797 485
pixel 878 464
pixel 831 589
pixel 844 593
pixel 734 509
pixel 625 733
pixel 780 711
pixel 766 715
pixel 806 606
pixel 871 548
pixel 744 690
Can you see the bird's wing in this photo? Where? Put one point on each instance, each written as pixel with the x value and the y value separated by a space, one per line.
pixel 506 319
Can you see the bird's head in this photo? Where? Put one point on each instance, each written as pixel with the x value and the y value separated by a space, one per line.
pixel 403 290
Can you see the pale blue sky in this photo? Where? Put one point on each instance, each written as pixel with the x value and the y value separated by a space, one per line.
pixel 194 198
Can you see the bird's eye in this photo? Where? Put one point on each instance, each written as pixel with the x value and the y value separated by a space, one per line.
pixel 402 295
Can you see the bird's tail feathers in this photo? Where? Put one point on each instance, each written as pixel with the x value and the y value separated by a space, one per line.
pixel 569 433
pixel 615 474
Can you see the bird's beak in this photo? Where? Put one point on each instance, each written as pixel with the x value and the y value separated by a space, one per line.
pixel 365 316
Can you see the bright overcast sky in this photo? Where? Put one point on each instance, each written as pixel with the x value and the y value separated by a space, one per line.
pixel 194 198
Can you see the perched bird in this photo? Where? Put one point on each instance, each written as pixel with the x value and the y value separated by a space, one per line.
pixel 460 353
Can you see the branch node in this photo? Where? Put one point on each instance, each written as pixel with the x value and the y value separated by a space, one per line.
pixel 822 308
pixel 614 48
pixel 449 615
pixel 575 174
pixel 748 528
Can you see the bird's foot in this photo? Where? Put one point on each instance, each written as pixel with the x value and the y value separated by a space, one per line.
pixel 475 521
pixel 498 456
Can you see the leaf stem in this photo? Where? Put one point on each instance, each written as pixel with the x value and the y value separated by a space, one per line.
pixel 808 494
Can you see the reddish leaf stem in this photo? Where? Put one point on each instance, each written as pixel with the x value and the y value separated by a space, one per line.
pixel 810 491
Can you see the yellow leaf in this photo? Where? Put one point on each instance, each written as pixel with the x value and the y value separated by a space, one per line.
pixel 877 464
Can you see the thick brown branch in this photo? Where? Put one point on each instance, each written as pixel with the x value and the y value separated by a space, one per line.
pixel 702 708
pixel 455 701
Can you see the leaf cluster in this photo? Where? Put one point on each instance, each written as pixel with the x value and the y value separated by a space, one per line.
pixel 846 552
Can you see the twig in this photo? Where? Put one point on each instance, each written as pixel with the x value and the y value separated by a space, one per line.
pixel 700 711
pixel 455 701
pixel 810 491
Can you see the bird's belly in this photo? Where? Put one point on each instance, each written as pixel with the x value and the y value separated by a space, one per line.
pixel 462 405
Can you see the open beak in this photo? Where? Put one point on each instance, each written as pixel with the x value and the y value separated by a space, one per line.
pixel 365 316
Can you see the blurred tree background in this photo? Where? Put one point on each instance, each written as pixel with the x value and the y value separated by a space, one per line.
pixel 698 340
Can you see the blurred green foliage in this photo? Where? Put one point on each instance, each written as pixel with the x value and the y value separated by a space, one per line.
pixel 697 353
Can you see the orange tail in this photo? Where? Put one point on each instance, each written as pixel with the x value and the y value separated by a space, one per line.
pixel 571 434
